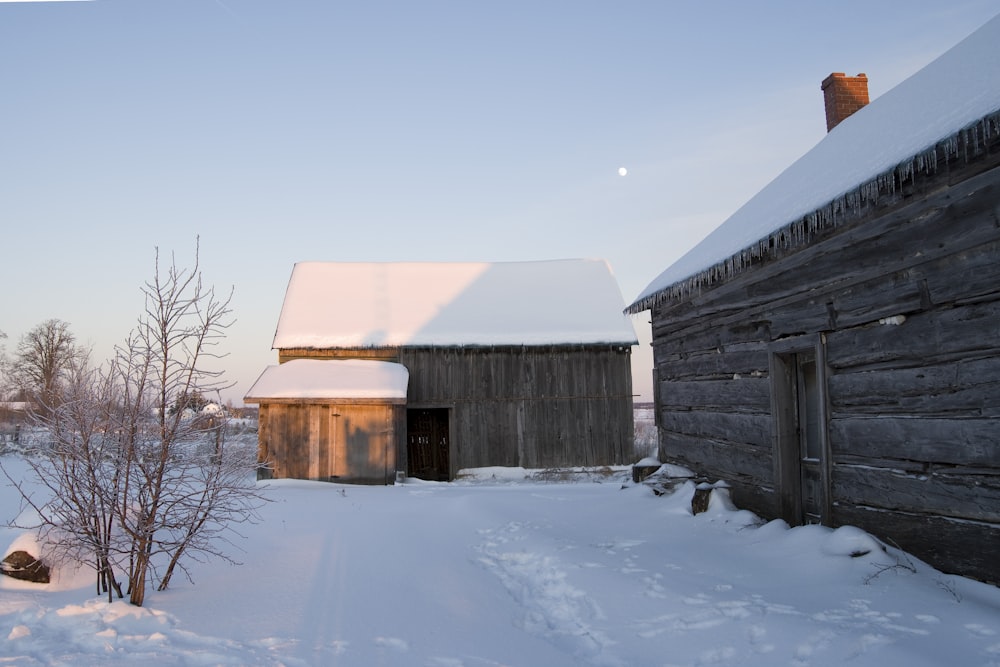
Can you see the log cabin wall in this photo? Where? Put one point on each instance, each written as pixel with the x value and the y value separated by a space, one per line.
pixel 903 303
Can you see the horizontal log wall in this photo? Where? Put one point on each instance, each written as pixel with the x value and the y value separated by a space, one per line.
pixel 714 412
pixel 914 401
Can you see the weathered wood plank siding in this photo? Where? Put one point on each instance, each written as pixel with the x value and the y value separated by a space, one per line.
pixel 907 300
pixel 534 407
pixel 330 441
pixel 529 406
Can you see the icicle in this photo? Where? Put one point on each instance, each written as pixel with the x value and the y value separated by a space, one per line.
pixel 951 145
pixel 969 142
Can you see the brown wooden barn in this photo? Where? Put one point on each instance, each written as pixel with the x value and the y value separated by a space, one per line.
pixel 833 349
pixel 508 364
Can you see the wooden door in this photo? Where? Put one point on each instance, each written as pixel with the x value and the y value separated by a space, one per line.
pixel 427 444
pixel 811 458
pixel 802 449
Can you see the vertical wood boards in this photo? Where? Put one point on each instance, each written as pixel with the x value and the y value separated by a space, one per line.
pixel 535 407
pixel 331 441
pixel 530 406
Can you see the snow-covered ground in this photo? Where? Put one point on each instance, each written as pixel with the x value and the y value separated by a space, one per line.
pixel 503 569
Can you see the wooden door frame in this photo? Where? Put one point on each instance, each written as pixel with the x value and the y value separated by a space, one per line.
pixel 786 448
pixel 450 415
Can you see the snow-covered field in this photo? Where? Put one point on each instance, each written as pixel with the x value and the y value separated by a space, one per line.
pixel 502 569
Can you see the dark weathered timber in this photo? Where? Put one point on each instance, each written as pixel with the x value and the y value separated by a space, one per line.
pixel 734 462
pixel 968 548
pixel 746 470
pixel 967 442
pixel 904 302
pixel 535 407
pixel 711 364
pixel 940 494
pixel 752 429
pixel 813 276
pixel 969 401
pixel 966 386
pixel 944 334
pixel 964 277
pixel 740 395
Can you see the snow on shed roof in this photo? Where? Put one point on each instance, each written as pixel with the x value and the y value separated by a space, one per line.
pixel 330 379
pixel 346 304
pixel 960 89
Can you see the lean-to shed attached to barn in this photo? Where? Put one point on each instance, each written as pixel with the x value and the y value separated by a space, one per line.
pixel 336 420
pixel 507 364
pixel 833 349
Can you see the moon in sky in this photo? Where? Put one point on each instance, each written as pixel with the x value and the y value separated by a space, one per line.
pixel 622 171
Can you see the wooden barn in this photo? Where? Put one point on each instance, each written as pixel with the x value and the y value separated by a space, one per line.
pixel 480 364
pixel 833 349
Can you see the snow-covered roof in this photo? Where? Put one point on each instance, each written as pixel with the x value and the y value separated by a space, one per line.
pixel 346 304
pixel 959 90
pixel 330 379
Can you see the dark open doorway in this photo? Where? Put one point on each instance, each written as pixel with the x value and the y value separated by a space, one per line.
pixel 427 444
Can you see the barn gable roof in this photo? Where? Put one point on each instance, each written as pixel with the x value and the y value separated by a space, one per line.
pixel 949 108
pixel 330 379
pixel 346 304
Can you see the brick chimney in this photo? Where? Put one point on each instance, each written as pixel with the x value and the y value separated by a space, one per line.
pixel 843 96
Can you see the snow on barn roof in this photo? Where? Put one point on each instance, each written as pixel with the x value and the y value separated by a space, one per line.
pixel 346 304
pixel 330 379
pixel 897 132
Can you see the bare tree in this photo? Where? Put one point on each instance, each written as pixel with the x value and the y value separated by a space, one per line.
pixel 136 484
pixel 164 360
pixel 43 357
pixel 178 500
pixel 78 471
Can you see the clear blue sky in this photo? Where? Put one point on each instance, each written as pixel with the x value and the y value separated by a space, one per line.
pixel 284 131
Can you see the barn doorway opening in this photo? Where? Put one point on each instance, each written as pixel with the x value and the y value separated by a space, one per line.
pixel 802 459
pixel 428 444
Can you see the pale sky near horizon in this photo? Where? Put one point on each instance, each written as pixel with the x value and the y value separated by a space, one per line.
pixel 282 132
